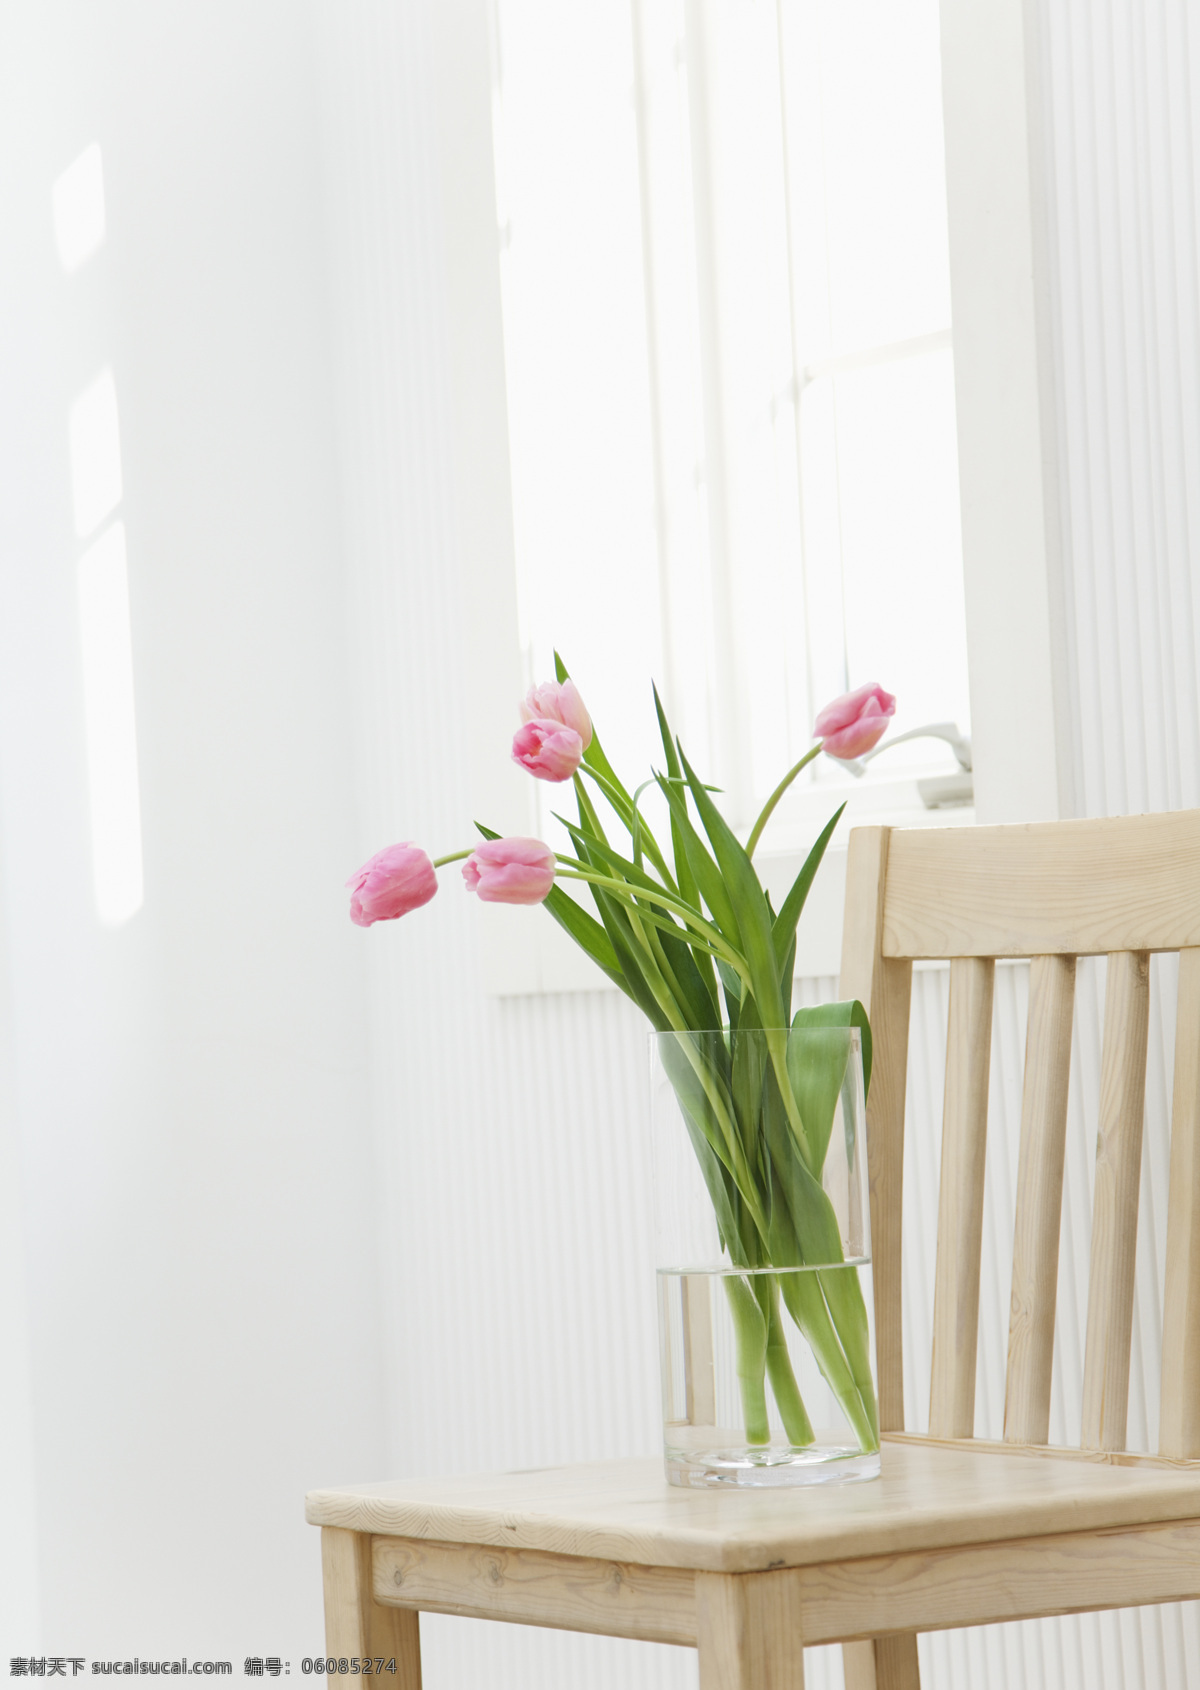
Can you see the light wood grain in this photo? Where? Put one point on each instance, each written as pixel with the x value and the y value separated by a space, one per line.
pixel 882 1663
pixel 355 1624
pixel 1077 888
pixel 928 1496
pixel 896 1665
pixel 939 1589
pixel 1054 1452
pixel 1115 1202
pixel 960 1207
pixel 529 1587
pixel 858 1665
pixel 1179 1423
pixel 748 1633
pixel 885 990
pixel 1039 1199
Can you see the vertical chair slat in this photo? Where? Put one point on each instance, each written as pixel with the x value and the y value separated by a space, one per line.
pixel 1179 1424
pixel 884 986
pixel 1115 1204
pixel 882 1663
pixel 960 1203
pixel 1039 1199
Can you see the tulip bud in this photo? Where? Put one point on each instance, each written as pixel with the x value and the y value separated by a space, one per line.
pixel 393 882
pixel 555 702
pixel 547 749
pixel 852 724
pixel 510 871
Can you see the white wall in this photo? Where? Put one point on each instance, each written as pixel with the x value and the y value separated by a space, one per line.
pixel 189 1090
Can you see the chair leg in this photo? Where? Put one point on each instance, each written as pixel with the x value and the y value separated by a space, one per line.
pixel 882 1663
pixel 748 1634
pixel 357 1625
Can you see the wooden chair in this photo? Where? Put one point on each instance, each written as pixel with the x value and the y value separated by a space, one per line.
pixel 956 1532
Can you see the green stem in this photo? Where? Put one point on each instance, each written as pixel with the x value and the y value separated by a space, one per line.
pixel 828 1305
pixel 737 1164
pixel 806 1304
pixel 786 1391
pixel 454 857
pixel 650 970
pixel 653 850
pixel 656 919
pixel 739 1167
pixel 777 1043
pixel 750 1342
pixel 573 869
pixel 766 811
pixel 844 1299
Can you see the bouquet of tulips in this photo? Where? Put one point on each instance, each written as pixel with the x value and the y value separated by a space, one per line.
pixel 686 930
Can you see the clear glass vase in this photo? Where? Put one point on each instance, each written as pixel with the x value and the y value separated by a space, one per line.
pixel 766 1323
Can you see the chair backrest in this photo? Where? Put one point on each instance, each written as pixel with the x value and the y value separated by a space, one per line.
pixel 1049 892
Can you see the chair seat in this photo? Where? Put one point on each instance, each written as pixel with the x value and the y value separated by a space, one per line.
pixel 928 1496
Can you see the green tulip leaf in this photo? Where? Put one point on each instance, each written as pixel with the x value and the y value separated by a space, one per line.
pixel 803 1228
pixel 594 755
pixel 816 1067
pixel 847 1014
pixel 738 1232
pixel 684 877
pixel 704 869
pixel 749 903
pixel 587 933
pixel 783 932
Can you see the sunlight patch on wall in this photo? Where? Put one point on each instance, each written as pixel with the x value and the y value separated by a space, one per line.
pixel 107 655
pixel 95 454
pixel 78 198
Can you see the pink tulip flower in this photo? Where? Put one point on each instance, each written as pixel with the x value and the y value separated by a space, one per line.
pixel 547 749
pixel 510 871
pixel 392 882
pixel 852 724
pixel 552 702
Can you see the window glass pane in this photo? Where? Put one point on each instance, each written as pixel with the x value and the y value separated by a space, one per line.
pixel 727 322
pixel 575 338
pixel 901 551
pixel 862 82
pixel 828 183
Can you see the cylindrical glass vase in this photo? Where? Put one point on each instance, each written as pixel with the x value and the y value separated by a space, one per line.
pixel 766 1325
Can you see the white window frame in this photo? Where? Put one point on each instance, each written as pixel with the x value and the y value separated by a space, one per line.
pixel 1004 390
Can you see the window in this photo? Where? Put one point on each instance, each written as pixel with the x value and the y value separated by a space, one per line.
pixel 731 395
